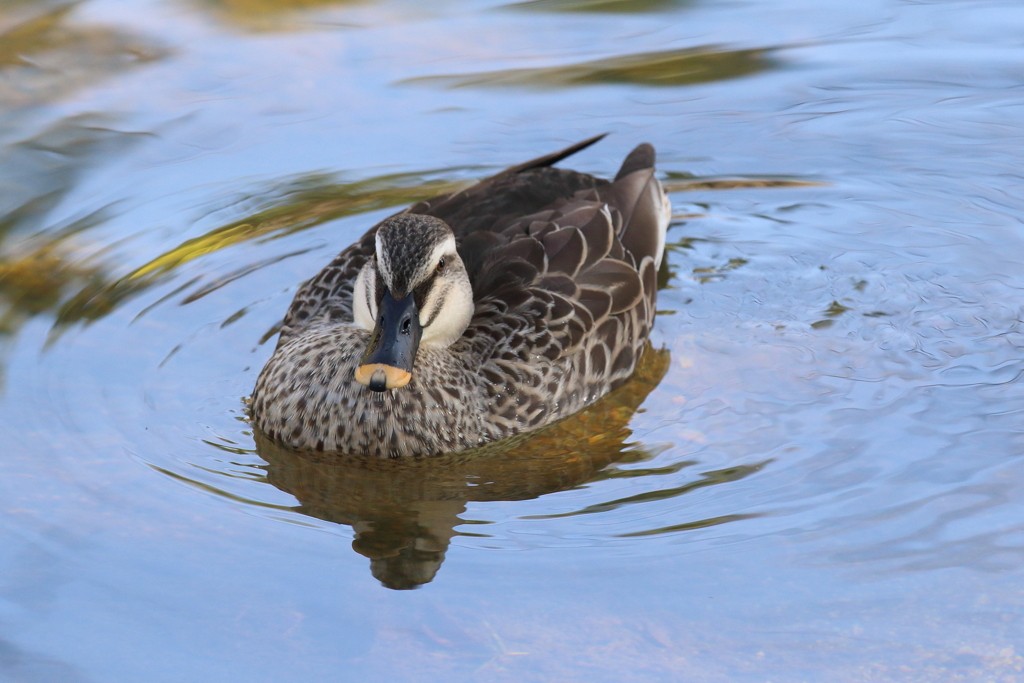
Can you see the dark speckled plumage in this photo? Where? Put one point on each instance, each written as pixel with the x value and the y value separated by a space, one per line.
pixel 563 268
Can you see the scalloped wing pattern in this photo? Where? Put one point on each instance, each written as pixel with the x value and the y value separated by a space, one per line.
pixel 565 305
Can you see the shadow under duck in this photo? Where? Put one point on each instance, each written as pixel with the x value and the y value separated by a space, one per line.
pixel 473 316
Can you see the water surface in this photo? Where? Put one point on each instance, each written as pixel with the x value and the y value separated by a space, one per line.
pixel 817 471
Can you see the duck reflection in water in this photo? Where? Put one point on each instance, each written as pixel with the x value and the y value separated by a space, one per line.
pixel 404 513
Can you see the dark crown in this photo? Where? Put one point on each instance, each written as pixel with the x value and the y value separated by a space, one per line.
pixel 407 241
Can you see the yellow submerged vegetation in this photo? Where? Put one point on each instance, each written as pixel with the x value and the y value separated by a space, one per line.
pixel 604 6
pixel 304 203
pixel 44 56
pixel 305 208
pixel 665 68
pixel 268 15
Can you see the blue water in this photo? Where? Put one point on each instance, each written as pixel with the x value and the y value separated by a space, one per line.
pixel 826 485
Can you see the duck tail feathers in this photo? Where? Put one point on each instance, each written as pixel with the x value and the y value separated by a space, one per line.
pixel 640 199
pixel 555 157
pixel 640 158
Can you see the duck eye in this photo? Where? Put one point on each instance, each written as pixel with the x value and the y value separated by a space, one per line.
pixel 440 265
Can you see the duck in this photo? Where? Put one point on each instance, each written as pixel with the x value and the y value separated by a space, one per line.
pixel 472 317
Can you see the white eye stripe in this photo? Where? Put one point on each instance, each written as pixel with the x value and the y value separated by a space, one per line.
pixel 445 250
pixel 364 301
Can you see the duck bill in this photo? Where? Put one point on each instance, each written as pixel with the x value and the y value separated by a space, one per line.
pixel 388 361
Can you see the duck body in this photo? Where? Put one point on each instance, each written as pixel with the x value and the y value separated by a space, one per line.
pixel 473 316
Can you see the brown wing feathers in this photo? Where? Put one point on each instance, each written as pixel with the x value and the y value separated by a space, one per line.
pixel 593 251
pixel 572 281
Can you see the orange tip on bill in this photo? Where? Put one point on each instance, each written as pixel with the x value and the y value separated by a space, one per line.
pixel 379 376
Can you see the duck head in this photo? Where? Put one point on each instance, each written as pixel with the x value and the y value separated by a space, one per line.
pixel 414 292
